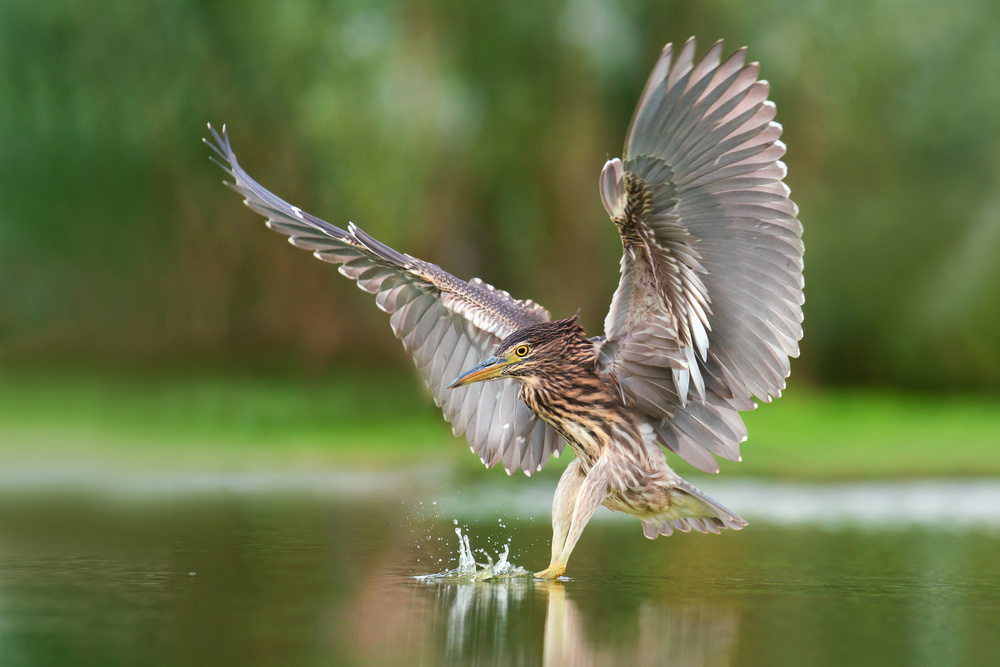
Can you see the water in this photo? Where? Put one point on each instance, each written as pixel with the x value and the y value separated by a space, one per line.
pixel 303 571
pixel 471 570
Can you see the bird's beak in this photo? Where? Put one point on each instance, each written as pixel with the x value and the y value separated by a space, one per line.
pixel 489 369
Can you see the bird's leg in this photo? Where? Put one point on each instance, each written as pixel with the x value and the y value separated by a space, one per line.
pixel 563 505
pixel 591 492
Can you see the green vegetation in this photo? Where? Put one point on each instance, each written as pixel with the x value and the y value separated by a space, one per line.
pixel 225 422
pixel 850 434
pixel 471 134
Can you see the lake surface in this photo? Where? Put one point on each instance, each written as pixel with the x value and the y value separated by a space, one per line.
pixel 323 569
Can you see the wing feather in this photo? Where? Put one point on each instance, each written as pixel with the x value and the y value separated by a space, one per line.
pixel 711 287
pixel 446 324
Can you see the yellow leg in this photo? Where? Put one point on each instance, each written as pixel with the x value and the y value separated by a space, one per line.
pixel 563 505
pixel 578 498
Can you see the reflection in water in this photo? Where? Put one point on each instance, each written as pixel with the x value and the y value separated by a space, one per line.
pixel 302 579
pixel 667 634
pixel 480 604
pixel 400 620
pixel 490 598
pixel 662 633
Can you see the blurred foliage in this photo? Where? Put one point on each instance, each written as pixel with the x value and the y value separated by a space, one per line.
pixel 242 422
pixel 472 135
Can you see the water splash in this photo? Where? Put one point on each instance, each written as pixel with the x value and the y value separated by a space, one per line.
pixel 469 570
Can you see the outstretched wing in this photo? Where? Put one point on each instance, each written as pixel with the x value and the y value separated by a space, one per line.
pixel 446 324
pixel 709 307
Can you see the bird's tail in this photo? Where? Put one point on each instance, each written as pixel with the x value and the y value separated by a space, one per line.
pixel 690 509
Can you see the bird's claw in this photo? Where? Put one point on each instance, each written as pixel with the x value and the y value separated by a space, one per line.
pixel 553 571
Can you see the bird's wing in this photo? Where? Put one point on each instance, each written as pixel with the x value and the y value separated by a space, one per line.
pixel 709 307
pixel 446 324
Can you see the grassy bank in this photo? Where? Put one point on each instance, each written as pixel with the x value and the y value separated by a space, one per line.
pixel 226 422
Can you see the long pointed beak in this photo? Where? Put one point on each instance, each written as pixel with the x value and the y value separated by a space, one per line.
pixel 489 369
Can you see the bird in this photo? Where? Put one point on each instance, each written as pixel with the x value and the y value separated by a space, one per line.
pixel 702 325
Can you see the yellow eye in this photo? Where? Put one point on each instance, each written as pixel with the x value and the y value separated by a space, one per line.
pixel 521 350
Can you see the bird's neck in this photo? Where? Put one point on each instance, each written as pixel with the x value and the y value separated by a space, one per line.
pixel 581 406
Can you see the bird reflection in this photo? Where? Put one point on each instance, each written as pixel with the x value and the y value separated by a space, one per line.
pixel 667 634
pixel 481 619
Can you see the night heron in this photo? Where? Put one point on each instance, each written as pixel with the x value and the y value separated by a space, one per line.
pixel 705 317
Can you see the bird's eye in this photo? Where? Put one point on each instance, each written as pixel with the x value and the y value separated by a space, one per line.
pixel 521 350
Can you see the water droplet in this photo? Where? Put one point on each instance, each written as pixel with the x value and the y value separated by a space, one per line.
pixel 469 569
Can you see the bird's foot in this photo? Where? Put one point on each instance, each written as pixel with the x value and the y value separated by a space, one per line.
pixel 553 571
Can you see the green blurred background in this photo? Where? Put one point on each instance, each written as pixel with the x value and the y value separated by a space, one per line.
pixel 144 306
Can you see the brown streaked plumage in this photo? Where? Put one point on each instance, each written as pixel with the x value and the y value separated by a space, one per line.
pixel 705 317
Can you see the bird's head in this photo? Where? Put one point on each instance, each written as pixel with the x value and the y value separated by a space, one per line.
pixel 541 349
